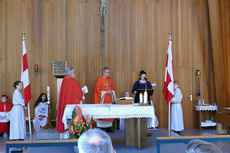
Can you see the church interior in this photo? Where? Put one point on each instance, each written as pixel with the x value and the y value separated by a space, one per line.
pixel 126 36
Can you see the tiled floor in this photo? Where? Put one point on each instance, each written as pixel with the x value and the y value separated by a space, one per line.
pixel 119 145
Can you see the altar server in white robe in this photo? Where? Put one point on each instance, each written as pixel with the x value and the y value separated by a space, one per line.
pixel 177 123
pixel 17 116
pixel 41 112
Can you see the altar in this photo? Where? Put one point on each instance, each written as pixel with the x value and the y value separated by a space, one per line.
pixel 135 119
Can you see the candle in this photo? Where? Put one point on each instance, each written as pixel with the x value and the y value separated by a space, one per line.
pixel 140 98
pixel 145 97
pixel 48 94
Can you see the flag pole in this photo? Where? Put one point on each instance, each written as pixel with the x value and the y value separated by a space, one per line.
pixel 29 120
pixel 28 105
pixel 169 119
pixel 169 111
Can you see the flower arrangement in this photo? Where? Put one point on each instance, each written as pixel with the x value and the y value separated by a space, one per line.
pixel 78 124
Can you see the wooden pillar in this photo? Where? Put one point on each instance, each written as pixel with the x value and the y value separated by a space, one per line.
pixel 130 132
pixel 136 132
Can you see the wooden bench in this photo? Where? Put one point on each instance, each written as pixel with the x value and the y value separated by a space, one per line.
pixel 186 139
pixel 40 143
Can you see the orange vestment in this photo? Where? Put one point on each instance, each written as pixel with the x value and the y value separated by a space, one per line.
pixel 103 84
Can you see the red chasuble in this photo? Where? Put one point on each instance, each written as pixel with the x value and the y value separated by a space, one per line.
pixel 103 84
pixel 70 93
pixel 4 126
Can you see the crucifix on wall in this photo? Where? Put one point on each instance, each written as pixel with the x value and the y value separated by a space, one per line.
pixel 102 26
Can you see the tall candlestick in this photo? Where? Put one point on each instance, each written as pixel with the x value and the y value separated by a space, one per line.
pixel 48 94
pixel 145 97
pixel 140 98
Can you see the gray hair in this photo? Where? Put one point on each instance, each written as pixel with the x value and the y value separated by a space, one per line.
pixel 104 69
pixel 95 141
pixel 199 146
pixel 68 70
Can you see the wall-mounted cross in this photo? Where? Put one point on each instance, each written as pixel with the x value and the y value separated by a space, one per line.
pixel 102 29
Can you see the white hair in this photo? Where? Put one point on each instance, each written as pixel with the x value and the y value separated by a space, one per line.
pixel 68 70
pixel 199 146
pixel 95 141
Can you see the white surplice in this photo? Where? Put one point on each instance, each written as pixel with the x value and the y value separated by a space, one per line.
pixel 40 110
pixel 177 123
pixel 17 117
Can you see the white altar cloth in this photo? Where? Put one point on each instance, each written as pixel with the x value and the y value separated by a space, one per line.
pixel 206 108
pixel 105 111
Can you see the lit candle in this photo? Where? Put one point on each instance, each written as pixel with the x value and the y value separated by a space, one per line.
pixel 48 94
pixel 145 97
pixel 141 97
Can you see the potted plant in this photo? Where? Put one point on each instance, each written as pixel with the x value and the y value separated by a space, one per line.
pixel 79 124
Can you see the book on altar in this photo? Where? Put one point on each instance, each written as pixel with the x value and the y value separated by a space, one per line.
pixel 125 100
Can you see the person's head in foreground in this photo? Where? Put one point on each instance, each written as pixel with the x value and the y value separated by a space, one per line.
pixel 199 146
pixel 95 141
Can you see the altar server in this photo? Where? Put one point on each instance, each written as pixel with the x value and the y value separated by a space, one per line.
pixel 41 112
pixel 177 123
pixel 17 116
pixel 5 108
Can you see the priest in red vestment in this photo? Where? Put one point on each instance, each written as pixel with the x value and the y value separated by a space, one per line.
pixel 5 108
pixel 70 93
pixel 104 93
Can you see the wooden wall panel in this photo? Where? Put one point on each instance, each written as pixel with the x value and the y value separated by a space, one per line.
pixel 2 47
pixel 202 55
pixel 136 38
pixel 220 84
pixel 224 13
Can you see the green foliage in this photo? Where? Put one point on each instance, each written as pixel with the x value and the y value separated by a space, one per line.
pixel 77 127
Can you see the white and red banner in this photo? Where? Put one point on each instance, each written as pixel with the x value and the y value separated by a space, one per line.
pixel 168 83
pixel 25 74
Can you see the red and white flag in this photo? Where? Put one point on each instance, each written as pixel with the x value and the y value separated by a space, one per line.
pixel 168 83
pixel 25 74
